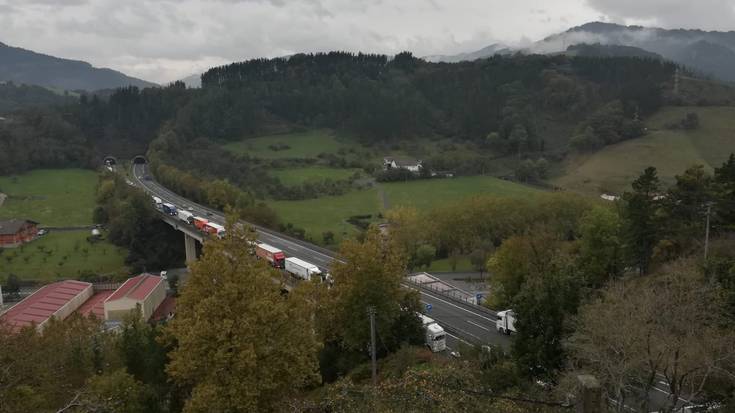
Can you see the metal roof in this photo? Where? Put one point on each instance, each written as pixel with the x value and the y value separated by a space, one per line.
pixel 44 303
pixel 136 288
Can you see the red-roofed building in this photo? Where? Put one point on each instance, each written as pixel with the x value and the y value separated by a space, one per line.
pixel 57 300
pixel 165 311
pixel 96 304
pixel 145 291
pixel 14 232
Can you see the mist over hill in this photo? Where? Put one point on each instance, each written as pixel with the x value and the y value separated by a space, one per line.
pixel 23 66
pixel 710 53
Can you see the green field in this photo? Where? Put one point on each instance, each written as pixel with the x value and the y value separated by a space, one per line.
pixel 671 151
pixel 297 176
pixel 301 145
pixel 61 255
pixel 443 265
pixel 427 194
pixel 53 197
pixel 331 213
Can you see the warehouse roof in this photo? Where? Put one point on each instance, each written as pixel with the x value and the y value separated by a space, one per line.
pixel 44 303
pixel 96 304
pixel 136 288
pixel 12 226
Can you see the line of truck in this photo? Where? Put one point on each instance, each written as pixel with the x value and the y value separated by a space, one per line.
pixel 202 224
pixel 434 335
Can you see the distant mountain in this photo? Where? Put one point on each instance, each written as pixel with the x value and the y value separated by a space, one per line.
pixel 488 51
pixel 709 52
pixel 193 81
pixel 28 67
pixel 609 50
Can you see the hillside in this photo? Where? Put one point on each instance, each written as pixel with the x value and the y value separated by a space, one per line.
pixel 669 150
pixel 28 67
pixel 14 97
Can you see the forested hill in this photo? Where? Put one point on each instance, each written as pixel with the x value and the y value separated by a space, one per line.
pixel 382 99
pixel 28 67
pixel 521 105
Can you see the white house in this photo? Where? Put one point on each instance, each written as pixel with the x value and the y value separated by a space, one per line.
pixel 412 165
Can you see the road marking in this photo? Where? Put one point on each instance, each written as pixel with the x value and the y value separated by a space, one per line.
pixel 452 335
pixel 456 306
pixel 477 325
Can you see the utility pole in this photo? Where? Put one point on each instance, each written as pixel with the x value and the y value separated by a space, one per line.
pixel 706 231
pixel 371 313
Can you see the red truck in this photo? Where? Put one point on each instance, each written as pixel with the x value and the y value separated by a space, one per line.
pixel 273 255
pixel 200 222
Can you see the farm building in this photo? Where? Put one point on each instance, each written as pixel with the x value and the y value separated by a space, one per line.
pixel 145 291
pixel 412 165
pixel 14 232
pixel 57 300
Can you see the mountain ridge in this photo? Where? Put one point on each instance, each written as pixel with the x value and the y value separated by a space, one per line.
pixel 23 66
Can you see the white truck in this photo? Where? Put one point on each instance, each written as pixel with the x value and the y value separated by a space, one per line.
pixel 157 202
pixel 185 216
pixel 506 322
pixel 302 269
pixel 434 336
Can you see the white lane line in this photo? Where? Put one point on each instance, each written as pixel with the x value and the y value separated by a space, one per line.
pixel 477 325
pixel 452 335
pixel 456 306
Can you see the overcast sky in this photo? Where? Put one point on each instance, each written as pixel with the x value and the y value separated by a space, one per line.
pixel 164 40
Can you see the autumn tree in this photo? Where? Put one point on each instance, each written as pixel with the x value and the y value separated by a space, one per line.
pixel 517 259
pixel 670 326
pixel 369 274
pixel 241 346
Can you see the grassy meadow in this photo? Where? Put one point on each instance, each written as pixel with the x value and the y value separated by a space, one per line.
pixel 307 144
pixel 56 198
pixel 298 176
pixel 53 197
pixel 61 255
pixel 669 150
pixel 332 212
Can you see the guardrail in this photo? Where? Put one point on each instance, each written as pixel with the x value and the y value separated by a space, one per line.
pixel 453 295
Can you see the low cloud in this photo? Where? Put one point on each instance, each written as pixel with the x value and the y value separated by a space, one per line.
pixel 163 40
pixel 691 14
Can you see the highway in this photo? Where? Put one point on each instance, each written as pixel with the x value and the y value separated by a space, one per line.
pixel 464 323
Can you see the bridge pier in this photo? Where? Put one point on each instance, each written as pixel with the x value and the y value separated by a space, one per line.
pixel 191 247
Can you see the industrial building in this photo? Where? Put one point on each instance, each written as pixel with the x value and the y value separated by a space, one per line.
pixel 145 292
pixel 57 300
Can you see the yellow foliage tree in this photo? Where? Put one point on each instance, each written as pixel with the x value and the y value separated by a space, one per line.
pixel 242 346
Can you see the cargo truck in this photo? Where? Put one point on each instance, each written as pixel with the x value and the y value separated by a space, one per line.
pixel 506 322
pixel 434 336
pixel 200 222
pixel 157 202
pixel 168 208
pixel 273 255
pixel 214 229
pixel 301 269
pixel 185 216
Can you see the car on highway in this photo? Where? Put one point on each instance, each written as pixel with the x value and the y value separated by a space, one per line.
pixel 42 232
